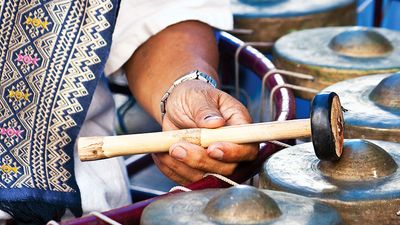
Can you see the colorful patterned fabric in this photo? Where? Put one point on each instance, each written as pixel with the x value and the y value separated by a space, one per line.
pixel 52 53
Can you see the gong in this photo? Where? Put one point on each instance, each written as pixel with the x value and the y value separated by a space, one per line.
pixel 271 19
pixel 364 185
pixel 333 54
pixel 373 106
pixel 238 205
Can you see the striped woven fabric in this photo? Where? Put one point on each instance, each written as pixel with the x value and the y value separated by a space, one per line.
pixel 52 53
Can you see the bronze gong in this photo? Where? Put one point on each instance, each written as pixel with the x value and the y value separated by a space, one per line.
pixel 334 54
pixel 364 185
pixel 373 106
pixel 270 19
pixel 238 205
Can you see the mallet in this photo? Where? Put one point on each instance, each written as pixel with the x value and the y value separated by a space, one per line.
pixel 325 127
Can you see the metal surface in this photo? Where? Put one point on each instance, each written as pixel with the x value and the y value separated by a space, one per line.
pixel 373 104
pixel 387 93
pixel 241 205
pixel 238 205
pixel 284 110
pixel 270 20
pixel 337 53
pixel 361 43
pixel 364 185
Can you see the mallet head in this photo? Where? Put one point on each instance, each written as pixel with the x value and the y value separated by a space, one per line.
pixel 327 126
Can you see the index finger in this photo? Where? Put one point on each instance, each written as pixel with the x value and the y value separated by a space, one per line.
pixel 230 152
pixel 234 112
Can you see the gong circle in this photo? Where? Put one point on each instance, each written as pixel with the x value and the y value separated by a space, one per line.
pixel 373 106
pixel 333 54
pixel 238 205
pixel 271 19
pixel 364 185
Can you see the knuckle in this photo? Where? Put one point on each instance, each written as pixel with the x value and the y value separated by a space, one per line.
pixel 250 153
pixel 227 170
pixel 173 166
pixel 197 159
pixel 196 177
pixel 253 157
pixel 168 172
pixel 254 152
pixel 201 163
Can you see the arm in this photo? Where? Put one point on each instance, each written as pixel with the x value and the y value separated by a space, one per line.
pixel 168 55
pixel 152 69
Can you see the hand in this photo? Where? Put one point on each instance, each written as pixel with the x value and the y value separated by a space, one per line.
pixel 197 104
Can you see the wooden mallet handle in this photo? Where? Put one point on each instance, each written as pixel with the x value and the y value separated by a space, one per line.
pixel 93 148
pixel 325 126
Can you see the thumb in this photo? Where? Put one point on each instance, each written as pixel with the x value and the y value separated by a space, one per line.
pixel 209 117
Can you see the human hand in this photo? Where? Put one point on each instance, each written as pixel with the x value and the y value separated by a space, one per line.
pixel 194 104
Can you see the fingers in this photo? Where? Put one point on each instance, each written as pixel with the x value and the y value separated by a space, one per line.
pixel 219 109
pixel 196 157
pixel 199 105
pixel 209 117
pixel 230 152
pixel 188 162
pixel 204 108
pixel 233 111
pixel 176 170
pixel 207 114
pixel 206 117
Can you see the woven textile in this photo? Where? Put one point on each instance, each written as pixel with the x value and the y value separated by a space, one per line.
pixel 52 53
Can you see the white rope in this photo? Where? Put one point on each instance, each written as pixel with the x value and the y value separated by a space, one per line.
pixel 104 218
pixel 180 188
pixel 262 95
pixel 225 179
pixel 291 86
pixel 237 64
pixel 281 72
pixel 280 144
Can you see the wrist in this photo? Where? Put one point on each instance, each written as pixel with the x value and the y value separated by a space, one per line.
pixel 193 75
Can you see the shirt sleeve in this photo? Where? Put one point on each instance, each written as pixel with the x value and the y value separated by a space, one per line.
pixel 140 19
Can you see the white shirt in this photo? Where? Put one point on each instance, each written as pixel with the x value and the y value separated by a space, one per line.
pixel 104 183
pixel 140 19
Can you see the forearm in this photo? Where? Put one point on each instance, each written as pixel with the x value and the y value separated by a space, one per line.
pixel 167 56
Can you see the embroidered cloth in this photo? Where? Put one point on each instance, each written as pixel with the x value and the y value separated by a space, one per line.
pixel 52 53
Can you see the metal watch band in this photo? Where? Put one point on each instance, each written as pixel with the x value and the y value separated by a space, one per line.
pixel 193 75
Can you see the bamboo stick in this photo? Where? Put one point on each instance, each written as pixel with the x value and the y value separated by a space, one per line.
pixel 93 148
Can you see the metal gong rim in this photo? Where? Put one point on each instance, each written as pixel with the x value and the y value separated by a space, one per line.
pixel 362 112
pixel 296 170
pixel 311 47
pixel 188 208
pixel 285 8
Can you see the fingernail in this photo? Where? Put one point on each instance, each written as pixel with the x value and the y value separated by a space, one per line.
pixel 216 154
pixel 210 117
pixel 179 153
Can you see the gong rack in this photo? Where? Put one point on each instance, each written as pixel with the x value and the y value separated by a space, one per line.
pixel 248 56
